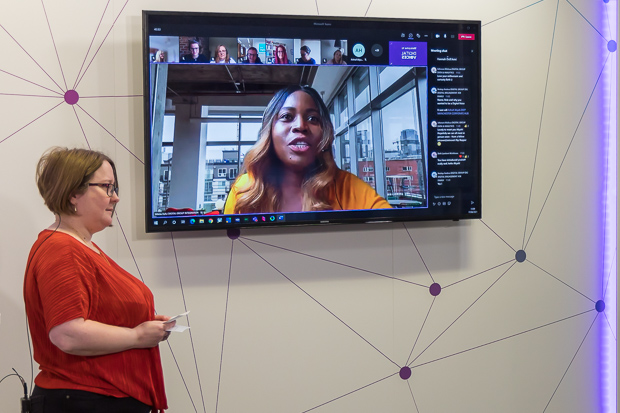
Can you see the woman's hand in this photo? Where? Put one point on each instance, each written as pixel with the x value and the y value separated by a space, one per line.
pixel 168 326
pixel 150 333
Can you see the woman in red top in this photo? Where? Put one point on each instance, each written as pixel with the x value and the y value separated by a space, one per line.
pixel 93 325
pixel 280 57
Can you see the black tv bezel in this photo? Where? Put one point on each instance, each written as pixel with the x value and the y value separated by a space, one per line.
pixel 312 217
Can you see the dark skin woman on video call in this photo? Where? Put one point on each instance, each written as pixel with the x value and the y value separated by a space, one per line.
pixel 292 168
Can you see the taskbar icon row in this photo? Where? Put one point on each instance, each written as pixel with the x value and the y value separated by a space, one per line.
pixel 220 220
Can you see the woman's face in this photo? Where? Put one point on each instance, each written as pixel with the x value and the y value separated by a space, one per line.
pixel 280 52
pixel 195 50
pixel 252 55
pixel 221 52
pixel 337 55
pixel 95 207
pixel 297 132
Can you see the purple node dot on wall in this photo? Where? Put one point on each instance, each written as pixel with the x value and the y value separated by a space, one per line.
pixel 233 233
pixel 520 256
pixel 72 97
pixel 405 373
pixel 612 46
pixel 600 306
pixel 605 1
pixel 435 289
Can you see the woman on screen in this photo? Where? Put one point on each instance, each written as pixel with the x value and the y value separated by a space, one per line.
pixel 280 56
pixel 337 59
pixel 222 56
pixel 292 168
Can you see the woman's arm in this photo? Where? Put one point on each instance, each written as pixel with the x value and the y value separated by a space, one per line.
pixel 81 337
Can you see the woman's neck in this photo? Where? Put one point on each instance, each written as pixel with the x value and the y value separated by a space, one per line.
pixel 291 192
pixel 72 226
pixel 292 179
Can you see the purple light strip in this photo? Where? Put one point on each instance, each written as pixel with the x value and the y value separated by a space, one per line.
pixel 610 327
pixel 610 274
pixel 608 338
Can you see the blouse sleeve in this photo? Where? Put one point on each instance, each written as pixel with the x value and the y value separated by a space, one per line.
pixel 231 200
pixel 357 194
pixel 64 285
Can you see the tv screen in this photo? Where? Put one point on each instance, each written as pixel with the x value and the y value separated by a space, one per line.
pixel 268 120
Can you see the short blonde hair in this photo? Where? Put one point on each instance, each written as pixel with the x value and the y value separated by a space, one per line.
pixel 63 173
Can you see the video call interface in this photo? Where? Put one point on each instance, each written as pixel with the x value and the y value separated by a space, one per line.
pixel 403 98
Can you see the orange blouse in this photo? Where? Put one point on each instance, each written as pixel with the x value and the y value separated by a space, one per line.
pixel 349 192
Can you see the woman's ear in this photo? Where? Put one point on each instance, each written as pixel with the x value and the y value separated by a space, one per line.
pixel 74 200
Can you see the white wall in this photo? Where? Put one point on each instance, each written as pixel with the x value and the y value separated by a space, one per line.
pixel 300 331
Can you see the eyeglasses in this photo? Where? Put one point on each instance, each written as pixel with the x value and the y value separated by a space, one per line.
pixel 110 189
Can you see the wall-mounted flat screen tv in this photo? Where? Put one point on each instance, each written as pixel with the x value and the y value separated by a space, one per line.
pixel 271 120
